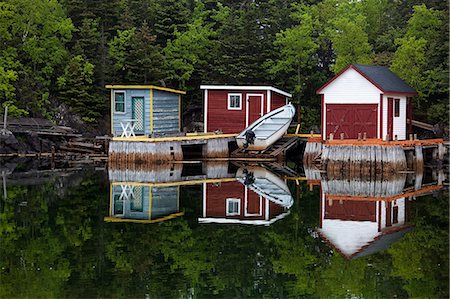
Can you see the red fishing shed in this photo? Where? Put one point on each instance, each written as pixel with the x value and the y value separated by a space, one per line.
pixel 230 109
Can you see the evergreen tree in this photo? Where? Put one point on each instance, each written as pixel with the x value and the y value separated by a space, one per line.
pixel 76 88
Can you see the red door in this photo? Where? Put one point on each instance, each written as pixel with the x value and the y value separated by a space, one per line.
pixel 351 210
pixel 351 119
pixel 254 108
pixel 390 123
pixel 254 204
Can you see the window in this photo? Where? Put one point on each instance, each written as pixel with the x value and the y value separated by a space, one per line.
pixel 397 107
pixel 233 206
pixel 234 101
pixel 119 102
pixel 395 215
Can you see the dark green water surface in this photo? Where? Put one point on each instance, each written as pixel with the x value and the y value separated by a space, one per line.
pixel 55 243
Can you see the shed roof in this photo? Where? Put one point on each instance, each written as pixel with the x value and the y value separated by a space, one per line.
pixel 380 76
pixel 246 87
pixel 145 87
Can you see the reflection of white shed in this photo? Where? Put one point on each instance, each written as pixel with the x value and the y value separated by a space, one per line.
pixel 366 99
pixel 357 228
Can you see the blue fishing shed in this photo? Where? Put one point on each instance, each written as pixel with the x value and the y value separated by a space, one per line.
pixel 144 110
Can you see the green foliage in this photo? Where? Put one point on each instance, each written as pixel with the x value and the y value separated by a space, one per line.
pixel 419 56
pixel 75 87
pixel 296 48
pixel 350 42
pixel 190 49
pixel 136 56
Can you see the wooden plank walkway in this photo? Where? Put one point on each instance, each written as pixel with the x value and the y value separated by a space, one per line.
pixel 279 147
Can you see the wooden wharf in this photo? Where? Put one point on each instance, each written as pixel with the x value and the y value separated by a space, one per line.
pixel 380 155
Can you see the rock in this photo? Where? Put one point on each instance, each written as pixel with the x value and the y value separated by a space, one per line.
pixel 8 142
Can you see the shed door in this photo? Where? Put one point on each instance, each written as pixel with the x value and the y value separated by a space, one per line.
pixel 254 107
pixel 138 114
pixel 351 119
pixel 351 210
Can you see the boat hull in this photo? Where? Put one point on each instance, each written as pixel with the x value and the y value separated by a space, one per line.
pixel 267 129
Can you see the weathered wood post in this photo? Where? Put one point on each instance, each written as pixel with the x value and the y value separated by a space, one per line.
pixel 359 136
pixel 342 136
pixel 5 118
pixel 419 158
pixel 331 136
pixel 5 193
pixel 365 136
pixel 441 151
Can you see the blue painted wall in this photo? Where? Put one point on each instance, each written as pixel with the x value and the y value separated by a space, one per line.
pixel 165 111
pixel 119 117
pixel 164 202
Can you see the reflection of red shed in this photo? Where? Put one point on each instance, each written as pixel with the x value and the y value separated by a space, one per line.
pixel 233 202
pixel 366 99
pixel 357 228
pixel 231 109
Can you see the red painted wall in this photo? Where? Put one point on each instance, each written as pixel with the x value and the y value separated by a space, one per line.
pixel 222 119
pixel 216 197
pixel 351 210
pixel 277 101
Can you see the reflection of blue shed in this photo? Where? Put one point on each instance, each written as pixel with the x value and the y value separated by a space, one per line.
pixel 144 110
pixel 144 203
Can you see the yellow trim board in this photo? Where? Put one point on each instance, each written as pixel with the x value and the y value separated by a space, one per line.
pixel 174 138
pixel 114 219
pixel 303 135
pixel 151 112
pixel 176 183
pixel 145 87
pixel 112 112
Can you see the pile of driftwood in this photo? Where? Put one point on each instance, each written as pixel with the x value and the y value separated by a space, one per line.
pixel 97 145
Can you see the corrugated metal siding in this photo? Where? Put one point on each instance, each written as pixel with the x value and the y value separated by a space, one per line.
pixel 165 112
pixel 164 201
pixel 119 117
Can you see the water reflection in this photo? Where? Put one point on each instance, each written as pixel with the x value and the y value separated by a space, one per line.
pixel 231 193
pixel 363 214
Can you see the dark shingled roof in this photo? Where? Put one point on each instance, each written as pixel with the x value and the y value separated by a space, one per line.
pixel 384 78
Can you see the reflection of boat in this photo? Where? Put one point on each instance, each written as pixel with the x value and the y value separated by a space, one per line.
pixel 267 129
pixel 266 184
pixel 143 203
pixel 258 197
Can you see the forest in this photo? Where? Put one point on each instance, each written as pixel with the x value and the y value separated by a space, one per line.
pixel 57 55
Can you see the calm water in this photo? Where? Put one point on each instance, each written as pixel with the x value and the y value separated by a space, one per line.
pixel 219 230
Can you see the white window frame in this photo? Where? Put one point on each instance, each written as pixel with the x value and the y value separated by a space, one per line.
pixel 229 101
pixel 232 200
pixel 124 102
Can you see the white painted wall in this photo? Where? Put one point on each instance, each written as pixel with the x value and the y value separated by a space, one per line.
pixel 349 236
pixel 399 124
pixel 351 88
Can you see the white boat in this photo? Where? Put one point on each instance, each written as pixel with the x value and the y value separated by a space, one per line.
pixel 266 184
pixel 267 129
